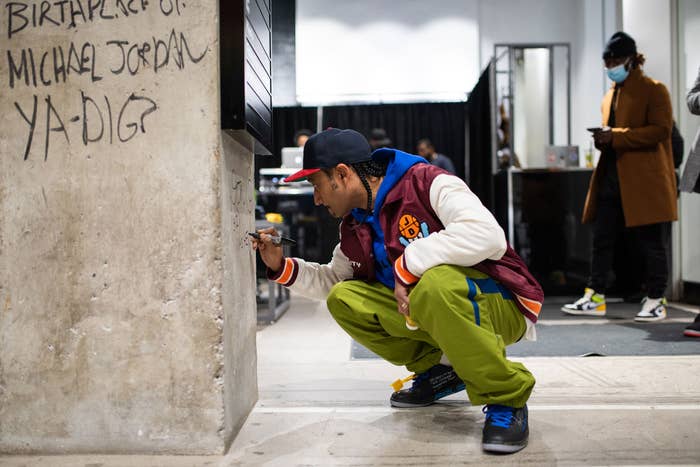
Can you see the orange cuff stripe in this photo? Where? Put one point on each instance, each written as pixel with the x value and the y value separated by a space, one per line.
pixel 402 273
pixel 531 305
pixel 286 272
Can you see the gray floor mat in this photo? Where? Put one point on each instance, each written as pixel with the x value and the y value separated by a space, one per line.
pixel 565 336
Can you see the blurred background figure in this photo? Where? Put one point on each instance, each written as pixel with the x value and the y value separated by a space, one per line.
pixel 378 138
pixel 506 157
pixel 301 136
pixel 426 149
pixel 690 182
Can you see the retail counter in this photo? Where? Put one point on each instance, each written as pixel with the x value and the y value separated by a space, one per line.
pixel 540 210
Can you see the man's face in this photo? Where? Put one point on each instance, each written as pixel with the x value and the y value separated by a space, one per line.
pixel 331 194
pixel 424 150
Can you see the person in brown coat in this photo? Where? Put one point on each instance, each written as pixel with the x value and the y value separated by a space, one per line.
pixel 634 184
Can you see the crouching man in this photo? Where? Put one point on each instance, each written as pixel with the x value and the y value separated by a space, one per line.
pixel 422 276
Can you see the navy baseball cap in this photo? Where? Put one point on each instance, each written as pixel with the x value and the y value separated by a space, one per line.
pixel 329 148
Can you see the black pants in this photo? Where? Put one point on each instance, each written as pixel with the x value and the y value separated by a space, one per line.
pixel 652 238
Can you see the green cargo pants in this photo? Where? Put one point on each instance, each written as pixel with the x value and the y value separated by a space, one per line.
pixel 461 312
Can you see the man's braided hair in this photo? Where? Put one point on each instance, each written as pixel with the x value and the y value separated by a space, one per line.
pixel 366 169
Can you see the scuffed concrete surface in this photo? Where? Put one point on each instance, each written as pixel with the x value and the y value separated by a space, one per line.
pixel 111 274
pixel 238 342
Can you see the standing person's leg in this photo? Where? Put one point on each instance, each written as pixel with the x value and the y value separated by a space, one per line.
pixel 610 220
pixel 368 312
pixel 653 240
pixel 473 319
pixel 608 223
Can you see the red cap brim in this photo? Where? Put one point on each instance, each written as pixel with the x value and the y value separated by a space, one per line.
pixel 301 175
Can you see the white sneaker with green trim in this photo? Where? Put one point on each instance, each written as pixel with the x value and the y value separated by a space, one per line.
pixel 591 304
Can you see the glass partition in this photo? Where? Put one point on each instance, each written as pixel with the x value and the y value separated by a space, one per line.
pixel 533 95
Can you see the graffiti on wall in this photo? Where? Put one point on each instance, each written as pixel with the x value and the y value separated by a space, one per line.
pixel 101 117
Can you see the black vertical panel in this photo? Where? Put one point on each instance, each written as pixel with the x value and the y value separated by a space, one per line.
pixel 405 124
pixel 246 68
pixel 481 180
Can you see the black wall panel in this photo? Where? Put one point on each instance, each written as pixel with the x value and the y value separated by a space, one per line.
pixel 246 68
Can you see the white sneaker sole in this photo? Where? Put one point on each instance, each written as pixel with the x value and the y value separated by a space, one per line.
pixel 503 448
pixel 570 311
pixel 407 405
pixel 649 319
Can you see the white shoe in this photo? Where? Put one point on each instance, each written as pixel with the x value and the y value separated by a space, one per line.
pixel 591 304
pixel 653 309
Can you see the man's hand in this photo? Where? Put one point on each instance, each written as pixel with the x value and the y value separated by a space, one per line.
pixel 270 253
pixel 401 293
pixel 603 138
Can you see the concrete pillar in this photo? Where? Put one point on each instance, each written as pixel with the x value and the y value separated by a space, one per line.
pixel 127 304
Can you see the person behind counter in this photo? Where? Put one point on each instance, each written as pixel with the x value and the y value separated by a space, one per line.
pixel 378 138
pixel 301 136
pixel 416 244
pixel 426 149
pixel 634 184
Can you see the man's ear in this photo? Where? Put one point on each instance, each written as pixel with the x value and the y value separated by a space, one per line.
pixel 343 171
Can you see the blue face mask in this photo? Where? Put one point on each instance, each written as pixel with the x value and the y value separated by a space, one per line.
pixel 618 73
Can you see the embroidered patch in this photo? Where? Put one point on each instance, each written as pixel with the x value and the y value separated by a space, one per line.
pixel 411 229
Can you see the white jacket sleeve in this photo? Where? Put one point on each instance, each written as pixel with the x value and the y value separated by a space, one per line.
pixel 314 280
pixel 471 233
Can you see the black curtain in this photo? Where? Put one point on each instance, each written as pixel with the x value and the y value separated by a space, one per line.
pixel 442 123
pixel 286 121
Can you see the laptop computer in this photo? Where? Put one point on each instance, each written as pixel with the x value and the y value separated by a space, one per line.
pixel 292 158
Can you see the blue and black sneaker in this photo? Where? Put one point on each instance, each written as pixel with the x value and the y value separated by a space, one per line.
pixel 438 382
pixel 505 430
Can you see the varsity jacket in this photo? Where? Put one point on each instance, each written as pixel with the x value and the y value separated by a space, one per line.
pixel 428 218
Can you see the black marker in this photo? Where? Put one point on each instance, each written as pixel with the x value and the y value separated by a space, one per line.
pixel 276 239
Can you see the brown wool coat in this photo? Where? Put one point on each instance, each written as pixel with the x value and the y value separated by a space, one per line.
pixel 642 140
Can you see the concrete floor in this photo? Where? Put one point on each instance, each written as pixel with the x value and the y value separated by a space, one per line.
pixel 317 407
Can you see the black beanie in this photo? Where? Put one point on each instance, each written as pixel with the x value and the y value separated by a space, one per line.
pixel 619 45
